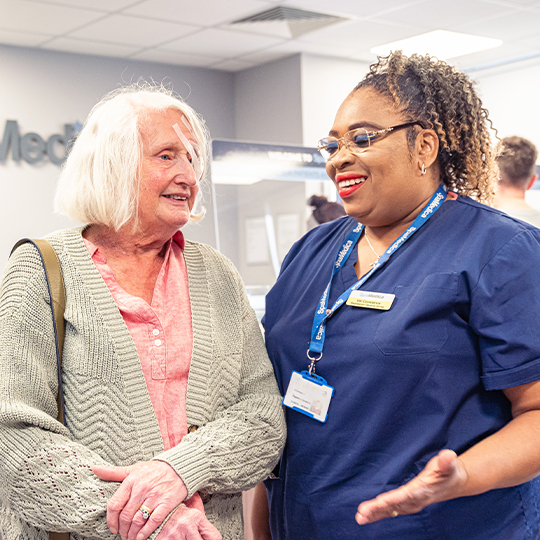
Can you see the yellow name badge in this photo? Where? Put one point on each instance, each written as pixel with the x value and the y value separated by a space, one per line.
pixel 371 300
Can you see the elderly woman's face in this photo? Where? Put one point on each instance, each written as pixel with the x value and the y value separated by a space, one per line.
pixel 383 184
pixel 168 184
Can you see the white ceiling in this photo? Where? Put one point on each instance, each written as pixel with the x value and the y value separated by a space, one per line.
pixel 198 32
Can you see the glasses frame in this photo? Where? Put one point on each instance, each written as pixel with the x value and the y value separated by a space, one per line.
pixel 350 145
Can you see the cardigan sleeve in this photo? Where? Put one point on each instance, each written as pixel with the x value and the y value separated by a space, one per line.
pixel 46 482
pixel 242 435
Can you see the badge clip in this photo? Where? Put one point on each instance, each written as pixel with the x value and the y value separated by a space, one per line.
pixel 309 394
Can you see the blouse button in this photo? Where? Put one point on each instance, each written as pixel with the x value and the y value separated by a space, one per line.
pixel 157 342
pixel 155 331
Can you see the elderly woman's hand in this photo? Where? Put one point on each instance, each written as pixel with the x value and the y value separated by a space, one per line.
pixel 442 479
pixel 152 484
pixel 188 524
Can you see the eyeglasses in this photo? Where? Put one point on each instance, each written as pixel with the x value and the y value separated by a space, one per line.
pixel 356 141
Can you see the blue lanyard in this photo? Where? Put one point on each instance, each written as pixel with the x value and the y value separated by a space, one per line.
pixel 323 313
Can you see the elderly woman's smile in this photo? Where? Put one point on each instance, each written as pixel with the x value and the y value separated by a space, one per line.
pixel 176 197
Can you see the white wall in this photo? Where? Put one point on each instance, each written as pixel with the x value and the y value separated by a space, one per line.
pixel 326 82
pixel 293 100
pixel 43 90
pixel 510 93
pixel 268 102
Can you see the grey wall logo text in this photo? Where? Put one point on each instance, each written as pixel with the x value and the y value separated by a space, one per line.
pixel 32 148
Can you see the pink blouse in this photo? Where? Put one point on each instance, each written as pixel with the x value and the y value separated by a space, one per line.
pixel 163 336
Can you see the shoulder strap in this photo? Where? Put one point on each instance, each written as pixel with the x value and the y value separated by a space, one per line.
pixel 57 293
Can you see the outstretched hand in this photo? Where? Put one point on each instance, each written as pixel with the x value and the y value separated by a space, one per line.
pixel 442 479
pixel 154 484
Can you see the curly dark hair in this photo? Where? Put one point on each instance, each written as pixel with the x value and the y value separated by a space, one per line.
pixel 440 97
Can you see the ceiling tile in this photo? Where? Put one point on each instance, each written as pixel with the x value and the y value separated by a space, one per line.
pixel 136 31
pixel 272 53
pixel 232 65
pixel 89 47
pixel 482 58
pixel 23 39
pixel 109 6
pixel 431 15
pixel 514 3
pixel 27 16
pixel 356 36
pixel 340 50
pixel 531 43
pixel 178 58
pixel 353 8
pixel 161 31
pixel 295 47
pixel 214 41
pixel 204 14
pixel 511 27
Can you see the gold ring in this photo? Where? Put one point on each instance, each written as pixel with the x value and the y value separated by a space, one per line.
pixel 145 511
pixel 394 513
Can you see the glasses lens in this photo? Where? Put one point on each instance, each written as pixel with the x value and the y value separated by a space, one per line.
pixel 328 147
pixel 360 138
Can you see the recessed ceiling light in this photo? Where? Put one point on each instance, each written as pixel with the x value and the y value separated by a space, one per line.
pixel 439 43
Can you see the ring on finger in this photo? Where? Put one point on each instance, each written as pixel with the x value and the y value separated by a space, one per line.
pixel 145 511
pixel 394 513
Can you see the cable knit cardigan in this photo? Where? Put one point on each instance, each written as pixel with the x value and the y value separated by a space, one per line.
pixel 45 477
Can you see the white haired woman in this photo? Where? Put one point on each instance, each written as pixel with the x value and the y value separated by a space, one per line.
pixel 167 385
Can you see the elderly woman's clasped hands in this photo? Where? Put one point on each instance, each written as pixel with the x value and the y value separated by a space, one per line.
pixel 150 490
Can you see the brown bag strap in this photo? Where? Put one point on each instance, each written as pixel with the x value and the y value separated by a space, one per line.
pixel 58 536
pixel 57 293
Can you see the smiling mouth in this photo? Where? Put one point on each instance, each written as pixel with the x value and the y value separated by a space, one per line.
pixel 350 182
pixel 176 197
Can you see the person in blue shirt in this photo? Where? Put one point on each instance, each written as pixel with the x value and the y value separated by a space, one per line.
pixel 418 313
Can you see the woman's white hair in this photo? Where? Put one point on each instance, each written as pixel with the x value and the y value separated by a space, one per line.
pixel 99 182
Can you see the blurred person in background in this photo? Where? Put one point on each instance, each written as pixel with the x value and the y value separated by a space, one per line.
pixel 516 158
pixel 323 210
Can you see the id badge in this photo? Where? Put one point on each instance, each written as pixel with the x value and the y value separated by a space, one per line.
pixel 309 395
pixel 371 300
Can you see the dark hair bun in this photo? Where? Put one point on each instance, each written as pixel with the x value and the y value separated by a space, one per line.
pixel 317 201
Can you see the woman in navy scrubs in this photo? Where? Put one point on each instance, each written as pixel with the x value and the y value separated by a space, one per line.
pixel 421 310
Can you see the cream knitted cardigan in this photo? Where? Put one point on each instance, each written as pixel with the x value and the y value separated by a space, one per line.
pixel 45 477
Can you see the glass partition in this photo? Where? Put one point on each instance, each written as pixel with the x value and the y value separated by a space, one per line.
pixel 260 194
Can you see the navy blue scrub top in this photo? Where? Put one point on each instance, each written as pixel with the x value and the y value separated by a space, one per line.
pixel 423 376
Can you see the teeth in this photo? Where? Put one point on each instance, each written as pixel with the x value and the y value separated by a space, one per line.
pixel 352 182
pixel 176 197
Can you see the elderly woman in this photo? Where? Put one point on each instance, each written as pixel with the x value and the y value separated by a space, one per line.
pixel 421 313
pixel 164 371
